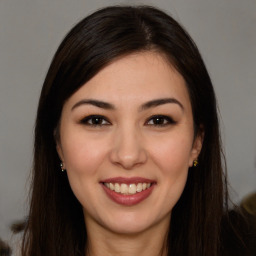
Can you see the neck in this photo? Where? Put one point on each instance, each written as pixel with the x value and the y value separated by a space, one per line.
pixel 151 242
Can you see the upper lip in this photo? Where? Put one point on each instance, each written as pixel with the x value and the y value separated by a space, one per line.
pixel 129 180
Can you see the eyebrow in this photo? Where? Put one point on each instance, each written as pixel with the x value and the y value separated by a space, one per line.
pixel 158 102
pixel 97 103
pixel 145 106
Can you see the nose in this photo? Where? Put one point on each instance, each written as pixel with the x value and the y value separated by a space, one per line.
pixel 127 149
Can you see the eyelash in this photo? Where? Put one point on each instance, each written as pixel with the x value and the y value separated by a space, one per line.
pixel 102 121
pixel 167 120
pixel 88 119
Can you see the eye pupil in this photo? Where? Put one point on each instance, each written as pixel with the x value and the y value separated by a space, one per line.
pixel 97 120
pixel 159 120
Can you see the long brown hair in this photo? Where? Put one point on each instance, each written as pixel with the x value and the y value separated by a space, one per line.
pixel 55 224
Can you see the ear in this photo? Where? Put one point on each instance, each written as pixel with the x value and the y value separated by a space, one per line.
pixel 197 146
pixel 59 151
pixel 58 145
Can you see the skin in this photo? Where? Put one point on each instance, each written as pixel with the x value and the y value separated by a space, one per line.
pixel 126 142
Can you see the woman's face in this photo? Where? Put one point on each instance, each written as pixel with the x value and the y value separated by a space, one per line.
pixel 127 141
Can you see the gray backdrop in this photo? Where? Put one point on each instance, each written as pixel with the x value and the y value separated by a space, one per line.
pixel 31 30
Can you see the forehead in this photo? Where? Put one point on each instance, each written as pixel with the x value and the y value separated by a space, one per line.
pixel 135 78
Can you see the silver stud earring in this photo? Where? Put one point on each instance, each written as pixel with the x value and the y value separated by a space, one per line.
pixel 61 166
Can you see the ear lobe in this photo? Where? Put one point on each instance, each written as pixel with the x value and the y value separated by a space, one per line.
pixel 197 146
pixel 56 136
pixel 59 151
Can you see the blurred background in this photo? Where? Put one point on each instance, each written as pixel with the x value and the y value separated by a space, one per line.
pixel 30 32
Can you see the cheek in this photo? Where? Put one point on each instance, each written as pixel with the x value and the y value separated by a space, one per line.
pixel 82 155
pixel 172 158
pixel 173 154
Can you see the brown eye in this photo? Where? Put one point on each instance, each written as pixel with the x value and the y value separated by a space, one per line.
pixel 160 120
pixel 95 120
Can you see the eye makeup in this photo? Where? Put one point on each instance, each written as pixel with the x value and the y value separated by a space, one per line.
pixel 95 120
pixel 160 120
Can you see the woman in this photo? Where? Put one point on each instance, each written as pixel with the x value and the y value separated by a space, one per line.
pixel 128 111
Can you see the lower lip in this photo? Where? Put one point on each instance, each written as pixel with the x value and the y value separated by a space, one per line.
pixel 128 200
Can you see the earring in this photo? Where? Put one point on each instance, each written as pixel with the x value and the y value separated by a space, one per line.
pixel 61 166
pixel 195 163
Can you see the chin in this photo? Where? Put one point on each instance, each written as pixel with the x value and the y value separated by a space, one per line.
pixel 129 228
pixel 134 223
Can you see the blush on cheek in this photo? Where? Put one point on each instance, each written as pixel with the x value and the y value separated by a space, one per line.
pixel 174 155
pixel 82 157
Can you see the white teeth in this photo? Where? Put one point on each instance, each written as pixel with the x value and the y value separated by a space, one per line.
pixel 117 188
pixel 127 189
pixel 111 186
pixel 139 187
pixel 124 189
pixel 132 188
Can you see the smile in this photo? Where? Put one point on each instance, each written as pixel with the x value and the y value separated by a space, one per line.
pixel 127 189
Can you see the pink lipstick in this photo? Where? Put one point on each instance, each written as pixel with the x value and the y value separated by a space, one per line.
pixel 128 191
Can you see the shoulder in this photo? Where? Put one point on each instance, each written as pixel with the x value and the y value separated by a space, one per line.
pixel 238 232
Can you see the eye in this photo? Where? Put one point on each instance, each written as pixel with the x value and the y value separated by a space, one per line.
pixel 160 120
pixel 95 120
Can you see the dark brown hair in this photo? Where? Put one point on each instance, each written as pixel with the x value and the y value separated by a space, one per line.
pixel 55 223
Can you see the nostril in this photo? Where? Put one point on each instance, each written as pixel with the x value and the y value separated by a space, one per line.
pixel 128 160
pixel 127 149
